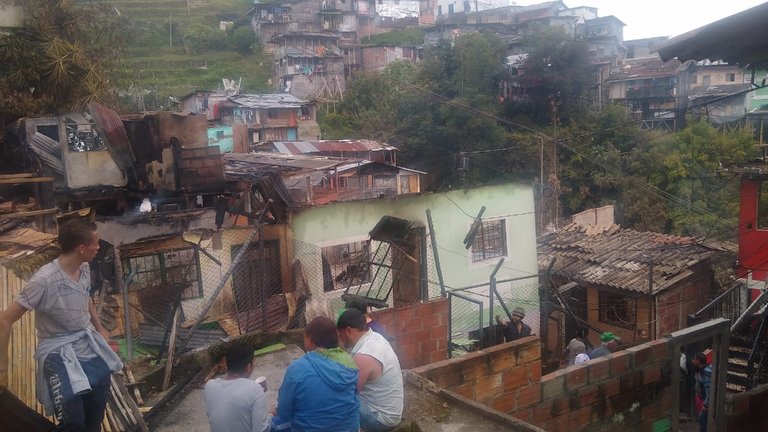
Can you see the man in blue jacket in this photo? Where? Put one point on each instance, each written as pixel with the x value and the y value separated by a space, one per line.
pixel 703 384
pixel 319 390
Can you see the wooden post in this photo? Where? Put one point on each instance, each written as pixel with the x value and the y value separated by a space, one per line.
pixel 171 349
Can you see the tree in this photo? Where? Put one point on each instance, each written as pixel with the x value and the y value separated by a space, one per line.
pixel 243 40
pixel 60 60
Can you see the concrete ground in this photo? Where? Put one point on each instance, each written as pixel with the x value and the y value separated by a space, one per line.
pixel 187 412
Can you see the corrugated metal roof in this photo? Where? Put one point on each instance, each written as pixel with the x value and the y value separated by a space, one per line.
pixel 330 146
pixel 24 241
pixel 619 258
pixel 277 100
pixel 741 39
pixel 111 127
pixel 645 68
pixel 253 166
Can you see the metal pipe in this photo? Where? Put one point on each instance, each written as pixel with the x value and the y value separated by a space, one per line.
pixel 492 289
pixel 435 254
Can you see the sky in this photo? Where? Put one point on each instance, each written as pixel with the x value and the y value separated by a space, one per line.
pixel 649 18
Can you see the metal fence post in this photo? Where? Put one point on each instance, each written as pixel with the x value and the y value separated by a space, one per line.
pixel 450 324
pixel 435 254
pixel 492 290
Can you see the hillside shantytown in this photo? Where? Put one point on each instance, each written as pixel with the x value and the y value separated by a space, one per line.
pixel 358 215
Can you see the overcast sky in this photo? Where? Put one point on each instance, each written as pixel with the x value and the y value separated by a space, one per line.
pixel 648 18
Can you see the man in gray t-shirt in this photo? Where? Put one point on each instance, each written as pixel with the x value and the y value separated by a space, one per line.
pixel 234 402
pixel 74 360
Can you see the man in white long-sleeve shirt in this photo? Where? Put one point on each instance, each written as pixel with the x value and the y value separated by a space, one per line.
pixel 236 403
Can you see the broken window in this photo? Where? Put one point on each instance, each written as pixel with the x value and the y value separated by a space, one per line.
pixel 168 270
pixel 490 240
pixel 82 137
pixel 346 264
pixel 730 77
pixel 762 206
pixel 617 309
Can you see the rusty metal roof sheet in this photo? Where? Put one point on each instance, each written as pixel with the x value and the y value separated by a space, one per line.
pixel 253 166
pixel 109 124
pixel 330 146
pixel 619 258
pixel 645 68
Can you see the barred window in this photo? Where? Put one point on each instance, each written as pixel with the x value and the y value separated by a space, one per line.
pixel 490 240
pixel 617 309
pixel 169 270
pixel 346 264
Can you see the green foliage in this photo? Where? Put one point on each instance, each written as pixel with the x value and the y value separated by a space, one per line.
pixel 243 40
pixel 59 61
pixel 405 37
pixel 200 38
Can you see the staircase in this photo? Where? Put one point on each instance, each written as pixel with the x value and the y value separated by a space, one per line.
pixel 748 353
pixel 738 363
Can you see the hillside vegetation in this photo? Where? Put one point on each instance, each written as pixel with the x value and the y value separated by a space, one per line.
pixel 174 47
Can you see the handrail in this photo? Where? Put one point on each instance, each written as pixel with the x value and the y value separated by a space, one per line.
pixel 748 314
pixel 752 366
pixel 717 300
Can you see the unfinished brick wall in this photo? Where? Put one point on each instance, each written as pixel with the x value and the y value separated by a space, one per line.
pixel 627 390
pixel 504 377
pixel 746 411
pixel 420 332
pixel 624 390
pixel 201 167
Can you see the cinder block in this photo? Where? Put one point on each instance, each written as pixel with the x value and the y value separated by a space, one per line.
pixel 589 395
pixel 580 418
pixel 535 371
pixel 599 369
pixel 529 396
pixel 575 377
pixel 440 332
pixel 474 368
pixel 529 353
pixel 651 375
pixel 619 363
pixel 652 411
pixel 612 386
pixel 488 387
pixel 437 355
pixel 552 385
pixel 431 321
pixel 504 360
pixel 522 414
pixel 467 390
pixel 515 378
pixel 196 163
pixel 505 403
pixel 541 413
pixel 631 381
pixel 559 424
pixel 659 350
pixel 641 355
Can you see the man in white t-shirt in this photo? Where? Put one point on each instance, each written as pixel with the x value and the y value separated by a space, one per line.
pixel 380 381
pixel 235 402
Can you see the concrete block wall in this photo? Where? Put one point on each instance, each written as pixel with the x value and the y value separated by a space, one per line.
pixel 626 390
pixel 746 410
pixel 419 332
pixel 504 377
pixel 201 167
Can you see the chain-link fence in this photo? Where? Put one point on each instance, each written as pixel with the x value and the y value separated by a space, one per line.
pixel 481 315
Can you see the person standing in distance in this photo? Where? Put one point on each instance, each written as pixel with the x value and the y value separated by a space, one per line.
pixel 74 360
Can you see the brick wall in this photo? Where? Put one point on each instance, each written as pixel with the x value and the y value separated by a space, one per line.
pixel 632 385
pixel 420 332
pixel 746 410
pixel 201 167
pixel 504 377
pixel 627 390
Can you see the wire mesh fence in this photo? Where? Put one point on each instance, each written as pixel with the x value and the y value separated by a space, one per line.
pixel 481 316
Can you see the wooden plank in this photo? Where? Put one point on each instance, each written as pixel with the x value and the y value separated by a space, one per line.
pixel 16 176
pixel 29 213
pixel 26 180
pixel 19 417
pixel 171 349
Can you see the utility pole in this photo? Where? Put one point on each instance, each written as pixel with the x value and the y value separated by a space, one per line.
pixel 170 29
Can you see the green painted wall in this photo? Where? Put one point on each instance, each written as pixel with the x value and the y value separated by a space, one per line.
pixel 453 213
